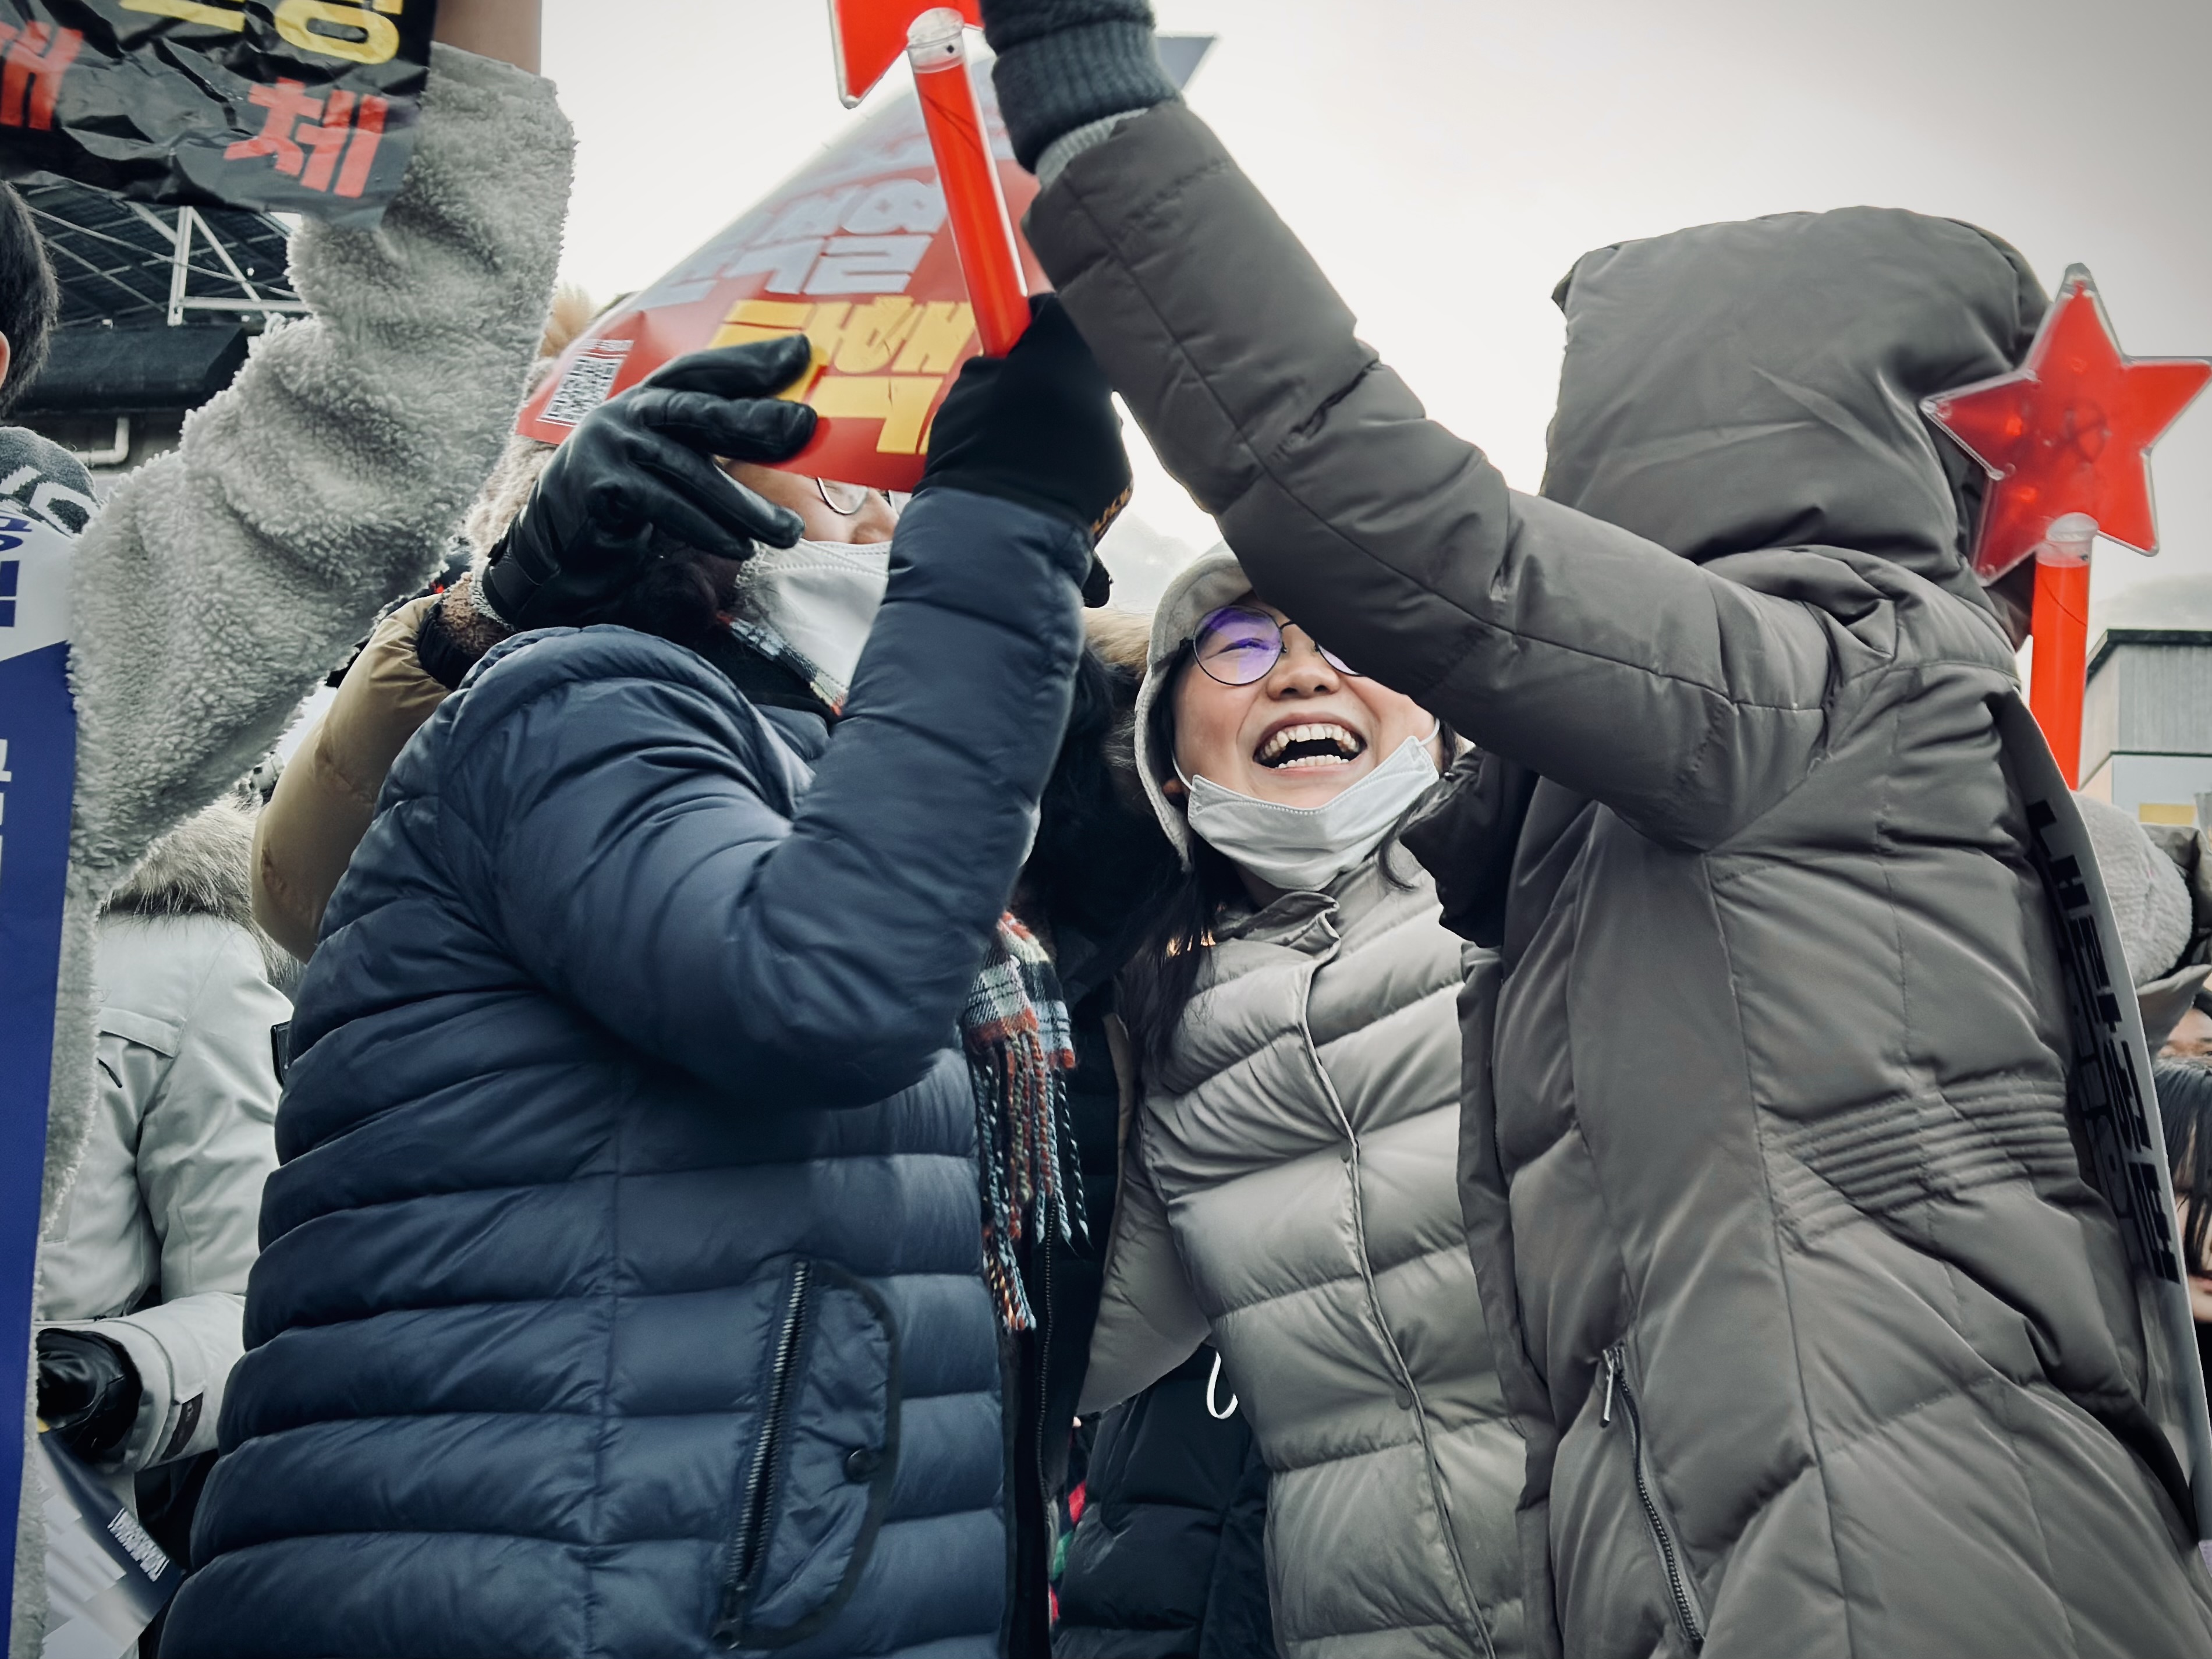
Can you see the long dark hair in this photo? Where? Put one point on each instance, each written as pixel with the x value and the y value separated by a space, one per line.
pixel 2184 1102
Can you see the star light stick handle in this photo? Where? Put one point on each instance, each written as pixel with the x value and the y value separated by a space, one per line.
pixel 983 233
pixel 2060 627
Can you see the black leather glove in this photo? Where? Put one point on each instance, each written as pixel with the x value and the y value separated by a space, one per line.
pixel 88 1391
pixel 636 482
pixel 1037 426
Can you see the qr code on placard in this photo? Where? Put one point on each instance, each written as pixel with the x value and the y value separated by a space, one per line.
pixel 585 386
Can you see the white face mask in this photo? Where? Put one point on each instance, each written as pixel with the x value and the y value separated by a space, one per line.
pixel 1307 847
pixel 822 597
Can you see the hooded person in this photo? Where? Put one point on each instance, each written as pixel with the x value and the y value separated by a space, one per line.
pixel 212 587
pixel 628 1288
pixel 1287 1190
pixel 1823 1340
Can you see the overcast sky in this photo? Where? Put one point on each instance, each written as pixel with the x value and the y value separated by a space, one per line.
pixel 1448 160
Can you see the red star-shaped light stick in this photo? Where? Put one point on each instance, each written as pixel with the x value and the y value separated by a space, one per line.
pixel 2066 438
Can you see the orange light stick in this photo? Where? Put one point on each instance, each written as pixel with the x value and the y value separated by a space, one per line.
pixel 867 35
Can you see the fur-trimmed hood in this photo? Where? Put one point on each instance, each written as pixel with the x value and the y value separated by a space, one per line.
pixel 204 867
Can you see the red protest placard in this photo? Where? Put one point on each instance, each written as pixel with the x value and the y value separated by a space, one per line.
pixel 854 251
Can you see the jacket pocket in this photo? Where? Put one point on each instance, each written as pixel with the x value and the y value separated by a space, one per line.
pixel 1620 1399
pixel 811 1496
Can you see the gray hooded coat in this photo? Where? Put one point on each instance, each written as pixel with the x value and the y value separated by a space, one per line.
pixel 1822 1344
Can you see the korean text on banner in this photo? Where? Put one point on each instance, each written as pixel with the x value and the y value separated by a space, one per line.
pixel 855 251
pixel 295 106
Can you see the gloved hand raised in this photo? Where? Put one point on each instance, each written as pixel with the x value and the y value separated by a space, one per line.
pixel 1037 426
pixel 1064 64
pixel 637 481
pixel 88 1391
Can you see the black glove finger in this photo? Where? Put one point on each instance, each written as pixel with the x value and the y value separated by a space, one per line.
pixel 742 428
pixel 687 497
pixel 757 370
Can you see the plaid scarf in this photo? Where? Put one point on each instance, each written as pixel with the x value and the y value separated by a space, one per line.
pixel 1015 1029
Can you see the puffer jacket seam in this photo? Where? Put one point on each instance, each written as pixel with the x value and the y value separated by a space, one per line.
pixel 614 1253
pixel 1437 1502
pixel 1817 1462
pixel 2034 1504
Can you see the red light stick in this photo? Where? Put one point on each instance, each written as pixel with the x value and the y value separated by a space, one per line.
pixel 2065 438
pixel 867 36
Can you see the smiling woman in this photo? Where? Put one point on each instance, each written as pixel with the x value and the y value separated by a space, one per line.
pixel 1293 1011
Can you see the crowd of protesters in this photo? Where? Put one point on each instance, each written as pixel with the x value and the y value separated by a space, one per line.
pixel 1493 1078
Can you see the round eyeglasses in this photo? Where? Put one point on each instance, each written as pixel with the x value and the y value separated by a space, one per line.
pixel 1238 646
pixel 846 499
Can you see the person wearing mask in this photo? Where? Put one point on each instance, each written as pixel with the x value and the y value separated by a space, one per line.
pixel 1822 1337
pixel 1288 1192
pixel 626 1288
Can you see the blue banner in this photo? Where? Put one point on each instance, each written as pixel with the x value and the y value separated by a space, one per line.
pixel 38 776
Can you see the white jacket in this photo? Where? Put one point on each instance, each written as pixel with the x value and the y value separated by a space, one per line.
pixel 154 1242
pixel 221 581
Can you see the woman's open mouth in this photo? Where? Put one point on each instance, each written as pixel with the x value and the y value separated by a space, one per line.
pixel 1314 743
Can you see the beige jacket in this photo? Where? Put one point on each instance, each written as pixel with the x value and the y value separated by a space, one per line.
pixel 326 796
pixel 1289 1196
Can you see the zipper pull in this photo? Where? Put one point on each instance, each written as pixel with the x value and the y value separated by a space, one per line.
pixel 1612 1371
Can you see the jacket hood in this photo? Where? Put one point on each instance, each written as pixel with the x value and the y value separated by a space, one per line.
pixel 1205 585
pixel 1754 385
pixel 202 867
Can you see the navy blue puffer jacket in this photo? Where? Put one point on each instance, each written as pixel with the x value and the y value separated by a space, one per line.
pixel 620 1292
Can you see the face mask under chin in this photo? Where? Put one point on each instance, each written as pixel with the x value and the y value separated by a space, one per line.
pixel 1307 847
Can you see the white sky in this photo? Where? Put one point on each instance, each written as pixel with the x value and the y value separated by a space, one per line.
pixel 1447 161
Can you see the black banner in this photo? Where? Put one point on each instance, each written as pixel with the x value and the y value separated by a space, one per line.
pixel 292 106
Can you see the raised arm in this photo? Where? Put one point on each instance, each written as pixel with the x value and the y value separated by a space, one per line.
pixel 221 581
pixel 647 852
pixel 708 913
pixel 1687 701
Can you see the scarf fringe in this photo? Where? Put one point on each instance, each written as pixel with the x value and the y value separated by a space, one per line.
pixel 1016 1031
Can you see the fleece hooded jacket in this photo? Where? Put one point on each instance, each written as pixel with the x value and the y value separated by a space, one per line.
pixel 219 583
pixel 1821 1341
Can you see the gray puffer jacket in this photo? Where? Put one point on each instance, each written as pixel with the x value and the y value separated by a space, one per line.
pixel 1823 1343
pixel 1289 1197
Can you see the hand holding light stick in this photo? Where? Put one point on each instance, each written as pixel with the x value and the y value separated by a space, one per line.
pixel 866 37
pixel 983 233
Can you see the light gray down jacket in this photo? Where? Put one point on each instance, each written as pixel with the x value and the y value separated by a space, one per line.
pixel 1822 1341
pixel 219 582
pixel 162 1222
pixel 1290 1193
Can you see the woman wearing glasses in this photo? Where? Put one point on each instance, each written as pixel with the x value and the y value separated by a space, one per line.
pixel 1289 1193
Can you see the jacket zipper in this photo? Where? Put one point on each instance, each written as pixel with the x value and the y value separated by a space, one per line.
pixel 749 1553
pixel 1688 1614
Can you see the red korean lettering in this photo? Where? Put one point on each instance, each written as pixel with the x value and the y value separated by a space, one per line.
pixel 306 135
pixel 30 84
pixel 287 105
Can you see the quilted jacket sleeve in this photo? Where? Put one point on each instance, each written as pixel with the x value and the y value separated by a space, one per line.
pixel 638 849
pixel 222 580
pixel 1687 702
pixel 1149 1321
